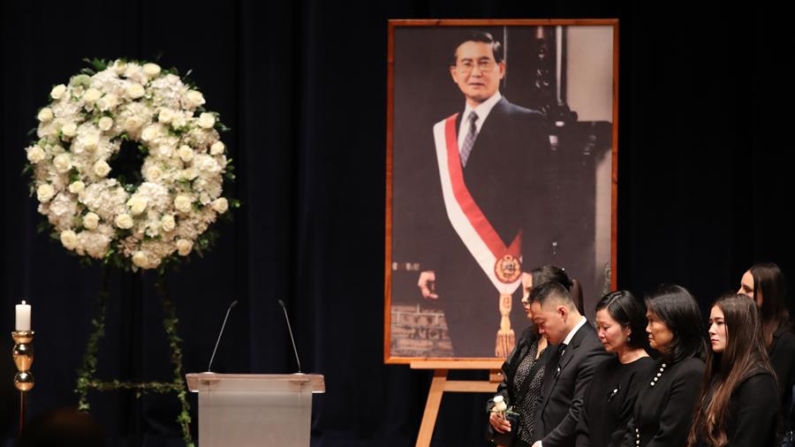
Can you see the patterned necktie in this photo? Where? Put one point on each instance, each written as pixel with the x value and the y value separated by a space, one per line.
pixel 469 140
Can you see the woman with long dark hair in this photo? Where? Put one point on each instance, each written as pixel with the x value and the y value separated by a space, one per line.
pixel 610 398
pixel 766 285
pixel 523 369
pixel 738 402
pixel 666 400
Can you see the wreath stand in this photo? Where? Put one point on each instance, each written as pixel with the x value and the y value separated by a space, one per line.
pixel 440 384
pixel 87 380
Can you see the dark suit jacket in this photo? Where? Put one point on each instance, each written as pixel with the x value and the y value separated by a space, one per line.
pixel 507 176
pixel 565 383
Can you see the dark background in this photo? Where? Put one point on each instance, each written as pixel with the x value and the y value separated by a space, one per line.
pixel 704 191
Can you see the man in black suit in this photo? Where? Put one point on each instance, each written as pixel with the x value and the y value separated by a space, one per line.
pixel 490 210
pixel 576 351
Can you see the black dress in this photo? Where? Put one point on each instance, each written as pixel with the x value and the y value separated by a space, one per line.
pixel 522 365
pixel 610 401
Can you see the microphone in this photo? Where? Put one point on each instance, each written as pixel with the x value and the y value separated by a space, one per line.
pixel 295 350
pixel 209 366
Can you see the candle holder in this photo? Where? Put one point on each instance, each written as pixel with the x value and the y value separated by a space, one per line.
pixel 23 358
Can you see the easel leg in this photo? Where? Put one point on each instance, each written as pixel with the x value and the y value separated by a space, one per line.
pixel 432 408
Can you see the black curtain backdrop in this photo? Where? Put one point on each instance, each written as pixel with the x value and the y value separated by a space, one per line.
pixel 704 191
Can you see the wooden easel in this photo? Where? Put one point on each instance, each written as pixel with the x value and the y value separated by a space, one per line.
pixel 440 384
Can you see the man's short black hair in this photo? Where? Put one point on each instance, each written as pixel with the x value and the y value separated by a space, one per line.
pixel 479 36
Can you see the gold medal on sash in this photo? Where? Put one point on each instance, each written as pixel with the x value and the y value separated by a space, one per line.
pixel 508 269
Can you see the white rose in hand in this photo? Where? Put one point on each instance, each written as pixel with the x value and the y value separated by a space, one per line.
pixel 499 404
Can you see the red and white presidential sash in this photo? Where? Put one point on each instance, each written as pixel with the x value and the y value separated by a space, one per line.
pixel 500 263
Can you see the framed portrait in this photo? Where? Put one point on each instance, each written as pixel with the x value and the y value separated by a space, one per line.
pixel 501 157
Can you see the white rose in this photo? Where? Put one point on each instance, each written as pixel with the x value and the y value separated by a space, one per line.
pixel 168 223
pixel 62 162
pixel 185 153
pixel 153 173
pixel 194 99
pixel 45 192
pixel 92 95
pixel 69 239
pixel 119 66
pixel 57 149
pixel 45 115
pixel 58 91
pixel 150 132
pixel 183 203
pixel 188 174
pixel 101 168
pixel 69 130
pixel 220 205
pixel 184 247
pixel 91 142
pixel 77 187
pixel 91 221
pixel 180 120
pixel 132 124
pixel 165 150
pixel 140 259
pixel 206 120
pixel 135 91
pixel 133 69
pixel 105 123
pixel 137 205
pixel 151 70
pixel 217 148
pixel 107 102
pixel 124 221
pixel 35 154
pixel 165 116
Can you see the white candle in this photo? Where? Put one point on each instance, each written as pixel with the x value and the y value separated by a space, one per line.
pixel 23 316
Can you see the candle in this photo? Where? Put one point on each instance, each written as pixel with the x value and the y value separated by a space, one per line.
pixel 23 316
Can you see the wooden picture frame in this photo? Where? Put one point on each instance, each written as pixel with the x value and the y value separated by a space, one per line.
pixel 566 69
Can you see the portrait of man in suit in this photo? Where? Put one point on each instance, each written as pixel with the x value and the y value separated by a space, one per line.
pixel 491 176
pixel 491 159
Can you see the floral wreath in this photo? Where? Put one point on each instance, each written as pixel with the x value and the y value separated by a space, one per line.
pixel 129 223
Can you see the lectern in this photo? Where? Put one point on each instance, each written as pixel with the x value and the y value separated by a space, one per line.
pixel 255 410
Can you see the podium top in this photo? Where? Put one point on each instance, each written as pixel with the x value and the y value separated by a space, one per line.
pixel 208 382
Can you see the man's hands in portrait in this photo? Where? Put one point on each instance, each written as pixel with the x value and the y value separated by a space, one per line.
pixel 427 285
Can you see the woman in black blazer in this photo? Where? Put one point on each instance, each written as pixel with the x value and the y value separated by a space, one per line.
pixel 738 406
pixel 611 395
pixel 665 403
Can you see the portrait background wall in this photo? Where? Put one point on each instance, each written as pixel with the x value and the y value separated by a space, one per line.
pixel 563 68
